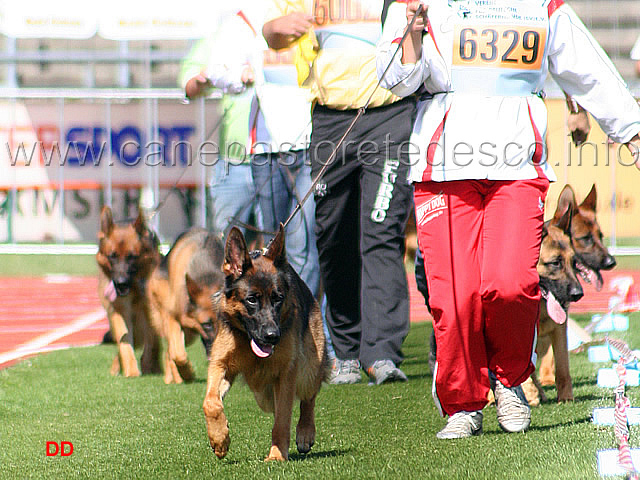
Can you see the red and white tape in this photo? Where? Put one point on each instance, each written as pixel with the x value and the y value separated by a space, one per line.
pixel 622 404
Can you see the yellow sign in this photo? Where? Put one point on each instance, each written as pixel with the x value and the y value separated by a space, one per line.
pixel 499 46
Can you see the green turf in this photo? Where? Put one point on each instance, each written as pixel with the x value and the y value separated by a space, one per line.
pixel 141 428
pixel 30 265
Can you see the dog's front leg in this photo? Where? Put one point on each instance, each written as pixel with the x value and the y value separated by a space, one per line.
pixel 122 330
pixel 218 383
pixel 561 354
pixel 547 362
pixel 306 428
pixel 284 392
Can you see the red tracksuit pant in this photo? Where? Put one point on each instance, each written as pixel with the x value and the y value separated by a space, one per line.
pixel 481 240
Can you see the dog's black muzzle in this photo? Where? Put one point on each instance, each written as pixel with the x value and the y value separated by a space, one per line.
pixel 575 292
pixel 122 287
pixel 609 262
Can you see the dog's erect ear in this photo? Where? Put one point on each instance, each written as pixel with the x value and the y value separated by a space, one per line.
pixel 589 203
pixel 140 224
pixel 564 222
pixel 566 201
pixel 193 289
pixel 106 221
pixel 276 251
pixel 236 255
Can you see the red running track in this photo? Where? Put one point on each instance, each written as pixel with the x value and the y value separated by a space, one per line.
pixel 43 314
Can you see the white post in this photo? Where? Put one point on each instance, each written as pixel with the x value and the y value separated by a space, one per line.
pixel 61 167
pixel 203 172
pixel 107 121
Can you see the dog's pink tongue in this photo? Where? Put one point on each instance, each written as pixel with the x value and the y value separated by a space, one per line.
pixel 555 310
pixel 262 352
pixel 110 292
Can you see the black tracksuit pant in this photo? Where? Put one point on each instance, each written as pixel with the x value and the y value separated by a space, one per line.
pixel 362 206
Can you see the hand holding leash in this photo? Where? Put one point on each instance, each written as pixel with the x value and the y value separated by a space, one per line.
pixel 361 111
pixel 416 26
pixel 420 25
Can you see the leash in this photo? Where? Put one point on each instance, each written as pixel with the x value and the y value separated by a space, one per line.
pixel 361 112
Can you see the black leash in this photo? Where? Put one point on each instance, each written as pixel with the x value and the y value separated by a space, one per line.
pixel 361 112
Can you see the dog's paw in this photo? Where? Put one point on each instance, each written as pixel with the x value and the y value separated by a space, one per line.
pixel 220 440
pixel 305 438
pixel 221 447
pixel 186 373
pixel 276 455
pixel 132 373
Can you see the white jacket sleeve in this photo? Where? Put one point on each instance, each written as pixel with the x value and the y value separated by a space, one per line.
pixel 401 79
pixel 584 71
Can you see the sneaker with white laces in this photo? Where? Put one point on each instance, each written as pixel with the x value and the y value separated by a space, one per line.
pixel 462 425
pixel 514 413
pixel 345 372
pixel 383 371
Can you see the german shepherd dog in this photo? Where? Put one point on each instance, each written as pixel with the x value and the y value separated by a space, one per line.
pixel 270 331
pixel 127 254
pixel 559 285
pixel 586 236
pixel 180 291
pixel 591 254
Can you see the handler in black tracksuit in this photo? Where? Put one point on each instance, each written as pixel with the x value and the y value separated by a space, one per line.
pixel 364 199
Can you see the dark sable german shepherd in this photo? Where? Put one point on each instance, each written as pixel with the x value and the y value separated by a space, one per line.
pixel 180 291
pixel 591 254
pixel 560 286
pixel 270 331
pixel 127 254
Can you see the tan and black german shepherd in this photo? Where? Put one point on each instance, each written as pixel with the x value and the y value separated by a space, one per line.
pixel 560 286
pixel 591 254
pixel 586 236
pixel 180 292
pixel 270 332
pixel 127 254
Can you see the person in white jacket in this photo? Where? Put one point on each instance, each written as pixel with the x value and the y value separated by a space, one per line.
pixel 478 164
pixel 263 135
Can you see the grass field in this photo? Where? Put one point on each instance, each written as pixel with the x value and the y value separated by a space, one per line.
pixel 140 428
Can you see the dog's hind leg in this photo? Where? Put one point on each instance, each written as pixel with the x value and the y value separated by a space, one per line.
pixel 177 350
pixel 115 366
pixel 531 391
pixel 284 394
pixel 306 428
pixel 171 374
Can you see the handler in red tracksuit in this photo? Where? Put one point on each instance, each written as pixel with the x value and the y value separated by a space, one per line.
pixel 480 175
